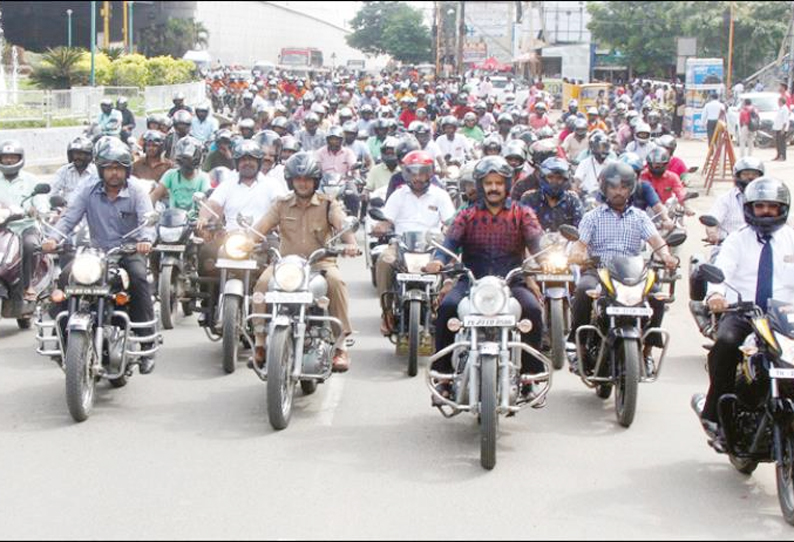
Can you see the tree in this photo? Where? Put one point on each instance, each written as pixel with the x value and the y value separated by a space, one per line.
pixel 59 68
pixel 645 32
pixel 174 38
pixel 391 28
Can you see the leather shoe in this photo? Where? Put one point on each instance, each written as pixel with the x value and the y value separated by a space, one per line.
pixel 341 362
pixel 145 365
pixel 259 358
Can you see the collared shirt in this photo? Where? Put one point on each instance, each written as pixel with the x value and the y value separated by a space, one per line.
pixel 573 147
pixel 712 110
pixel 457 148
pixel 203 130
pixel 729 210
pixel 253 201
pixel 276 175
pixel 154 172
pixel 13 193
pixel 302 229
pixel 781 118
pixel 68 181
pixel 336 162
pixel 739 259
pixel 379 176
pixel 181 189
pixel 110 220
pixel 493 244
pixel 311 142
pixel 567 211
pixel 397 181
pixel 587 173
pixel 409 212
pixel 361 150
pixel 110 124
pixel 667 186
pixel 608 234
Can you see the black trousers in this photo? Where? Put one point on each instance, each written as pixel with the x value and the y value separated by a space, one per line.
pixel 141 308
pixel 30 241
pixel 780 143
pixel 530 308
pixel 582 308
pixel 723 359
pixel 710 127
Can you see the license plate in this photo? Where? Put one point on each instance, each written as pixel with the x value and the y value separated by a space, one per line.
pixel 489 349
pixel 629 311
pixel 87 290
pixel 289 297
pixel 489 321
pixel 554 278
pixel 170 248
pixel 223 263
pixel 411 277
pixel 781 373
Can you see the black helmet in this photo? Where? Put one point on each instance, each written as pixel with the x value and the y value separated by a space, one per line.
pixel 389 143
pixel 112 151
pixel 748 163
pixel 769 190
pixel 599 145
pixel 657 160
pixel 81 144
pixel 492 164
pixel 541 150
pixel 407 144
pixel 616 174
pixel 188 151
pixel 247 147
pixel 302 164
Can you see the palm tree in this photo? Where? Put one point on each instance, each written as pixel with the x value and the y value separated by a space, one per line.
pixel 58 68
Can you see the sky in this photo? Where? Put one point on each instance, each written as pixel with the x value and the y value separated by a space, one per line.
pixel 340 13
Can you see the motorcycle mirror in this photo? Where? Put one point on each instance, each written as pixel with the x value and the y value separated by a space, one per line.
pixel 42 188
pixel 676 238
pixel 711 273
pixel 376 203
pixel 199 197
pixel 691 195
pixel 693 169
pixel 571 233
pixel 350 224
pixel 152 218
pixel 57 201
pixel 376 213
pixel 244 220
pixel 432 237
pixel 709 221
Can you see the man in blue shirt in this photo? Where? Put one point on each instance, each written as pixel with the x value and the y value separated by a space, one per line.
pixel 113 207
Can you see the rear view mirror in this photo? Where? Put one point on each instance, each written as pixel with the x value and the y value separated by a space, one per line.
pixel 691 195
pixel 42 188
pixel 711 273
pixel 57 201
pixel 709 221
pixel 571 233
pixel 676 238
pixel 152 218
pixel 376 213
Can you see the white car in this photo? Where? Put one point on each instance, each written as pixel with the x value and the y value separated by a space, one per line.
pixel 765 102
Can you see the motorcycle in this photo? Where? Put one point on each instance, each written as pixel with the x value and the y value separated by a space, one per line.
pixel 556 284
pixel 343 189
pixel 705 320
pixel 177 270
pixel 486 357
pixel 609 350
pixel 12 297
pixel 757 420
pixel 300 340
pixel 97 340
pixel 374 245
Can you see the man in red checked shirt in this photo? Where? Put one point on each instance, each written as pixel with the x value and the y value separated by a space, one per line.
pixel 666 183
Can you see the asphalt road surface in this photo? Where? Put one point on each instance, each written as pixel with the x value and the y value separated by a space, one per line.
pixel 187 452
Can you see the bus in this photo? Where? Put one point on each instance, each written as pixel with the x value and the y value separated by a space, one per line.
pixel 300 57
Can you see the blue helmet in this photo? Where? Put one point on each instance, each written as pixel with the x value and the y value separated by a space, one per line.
pixel 554 166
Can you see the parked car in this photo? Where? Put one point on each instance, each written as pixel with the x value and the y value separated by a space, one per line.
pixel 765 102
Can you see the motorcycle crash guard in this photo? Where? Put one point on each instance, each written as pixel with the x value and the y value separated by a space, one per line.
pixel 623 333
pixel 79 321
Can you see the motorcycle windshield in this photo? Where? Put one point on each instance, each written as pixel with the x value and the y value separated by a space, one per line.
pixel 629 270
pixel 331 179
pixel 781 317
pixel 415 241
pixel 173 218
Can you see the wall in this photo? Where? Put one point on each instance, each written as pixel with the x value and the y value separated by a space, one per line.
pixel 43 146
pixel 575 60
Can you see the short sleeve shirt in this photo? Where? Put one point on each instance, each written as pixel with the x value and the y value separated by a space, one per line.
pixel 181 190
pixel 608 234
pixel 426 212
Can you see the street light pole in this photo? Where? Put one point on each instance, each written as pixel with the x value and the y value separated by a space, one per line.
pixel 132 33
pixel 69 27
pixel 93 42
pixel 730 54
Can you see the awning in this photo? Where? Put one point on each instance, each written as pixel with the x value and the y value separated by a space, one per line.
pixel 492 64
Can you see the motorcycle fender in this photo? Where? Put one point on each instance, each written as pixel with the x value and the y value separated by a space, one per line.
pixel 281 320
pixel 233 287
pixel 79 321
pixel 413 295
pixel 379 249
pixel 556 292
pixel 623 333
pixel 173 261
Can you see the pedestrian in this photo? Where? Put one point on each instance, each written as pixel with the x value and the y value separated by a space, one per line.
pixel 713 111
pixel 748 126
pixel 780 126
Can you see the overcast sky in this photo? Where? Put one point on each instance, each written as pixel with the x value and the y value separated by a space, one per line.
pixel 340 13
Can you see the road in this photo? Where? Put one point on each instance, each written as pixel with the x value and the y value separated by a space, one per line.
pixel 187 452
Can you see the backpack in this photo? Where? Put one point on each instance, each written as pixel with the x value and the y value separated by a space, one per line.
pixel 755 121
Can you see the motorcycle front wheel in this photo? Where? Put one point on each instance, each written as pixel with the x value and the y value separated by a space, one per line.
pixel 280 387
pixel 488 415
pixel 628 378
pixel 414 326
pixel 557 331
pixel 231 331
pixel 784 470
pixel 166 290
pixel 80 383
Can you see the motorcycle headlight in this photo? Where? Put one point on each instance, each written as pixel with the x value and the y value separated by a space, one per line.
pixel 87 268
pixel 629 296
pixel 786 347
pixel 488 299
pixel 289 276
pixel 170 235
pixel 237 246
pixel 557 261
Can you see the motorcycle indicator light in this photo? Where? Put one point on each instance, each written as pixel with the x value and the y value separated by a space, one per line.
pixel 323 302
pixel 122 299
pixel 454 325
pixel 524 326
pixel 58 296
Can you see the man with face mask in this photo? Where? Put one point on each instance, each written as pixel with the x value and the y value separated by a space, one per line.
pixel 589 169
pixel 728 209
pixel 493 237
pixel 109 120
pixel 615 228
pixel 181 183
pixel 306 220
pixel 554 203
pixel 380 175
pixel 113 207
pixel 416 206
pixel 79 170
pixel 203 124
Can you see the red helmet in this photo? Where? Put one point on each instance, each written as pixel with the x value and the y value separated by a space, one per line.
pixel 416 163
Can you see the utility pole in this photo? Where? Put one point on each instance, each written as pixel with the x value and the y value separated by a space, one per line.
pixel 106 27
pixel 730 53
pixel 93 42
pixel 439 22
pixel 791 50
pixel 461 35
pixel 125 23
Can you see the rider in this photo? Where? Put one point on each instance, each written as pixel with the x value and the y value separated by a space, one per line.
pixel 127 118
pixel 576 143
pixel 615 228
pixel 642 144
pixel 113 207
pixel 16 187
pixel 554 203
pixel 306 219
pixel 203 126
pixel 453 146
pixel 182 122
pixel 351 142
pixel 666 183
pixel 311 139
pixel 471 129
pixel 151 165
pixel 334 157
pixel 179 104
pixel 494 236
pixel 222 155
pixel 80 169
pixel 380 175
pixel 728 209
pixel 181 183
pixel 586 177
pixel 758 274
pixel 109 119
pixel 416 206
pixel 539 119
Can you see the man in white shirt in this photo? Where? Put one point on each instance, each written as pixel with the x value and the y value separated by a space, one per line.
pixel 712 112
pixel 416 206
pixel 203 126
pixel 80 169
pixel 587 172
pixel 728 209
pixel 758 261
pixel 454 147
pixel 780 127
